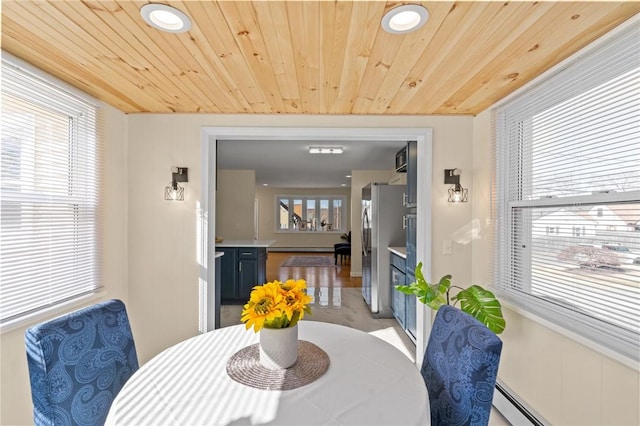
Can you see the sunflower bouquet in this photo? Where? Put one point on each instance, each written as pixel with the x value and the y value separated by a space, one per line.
pixel 276 305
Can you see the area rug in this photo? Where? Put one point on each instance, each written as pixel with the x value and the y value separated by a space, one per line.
pixel 309 261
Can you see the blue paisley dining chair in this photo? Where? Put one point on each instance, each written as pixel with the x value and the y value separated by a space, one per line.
pixel 460 367
pixel 78 363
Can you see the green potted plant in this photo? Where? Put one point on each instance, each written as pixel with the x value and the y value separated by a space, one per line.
pixel 475 300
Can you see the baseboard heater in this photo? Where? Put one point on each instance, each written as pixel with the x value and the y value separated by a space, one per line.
pixel 515 411
pixel 302 249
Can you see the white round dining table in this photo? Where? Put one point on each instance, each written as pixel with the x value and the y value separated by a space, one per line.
pixel 368 382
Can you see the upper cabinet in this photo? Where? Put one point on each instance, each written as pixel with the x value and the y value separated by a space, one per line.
pixel 401 160
pixel 407 163
pixel 412 174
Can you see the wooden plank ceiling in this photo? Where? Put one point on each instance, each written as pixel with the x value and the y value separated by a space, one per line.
pixel 302 57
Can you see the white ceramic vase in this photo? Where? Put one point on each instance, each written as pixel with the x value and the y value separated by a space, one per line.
pixel 278 347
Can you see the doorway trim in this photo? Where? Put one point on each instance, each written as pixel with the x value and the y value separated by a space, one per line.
pixel 424 137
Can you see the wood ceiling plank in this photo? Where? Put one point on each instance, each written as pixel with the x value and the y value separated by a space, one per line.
pixel 164 58
pixel 382 55
pixel 304 23
pixel 423 78
pixel 407 58
pixel 334 30
pixel 522 44
pixel 108 52
pixel 165 52
pixel 555 37
pixel 76 47
pixel 309 57
pixel 274 26
pixel 211 79
pixel 484 35
pixel 244 24
pixel 132 40
pixel 21 43
pixel 364 24
pixel 186 54
pixel 226 54
pixel 115 39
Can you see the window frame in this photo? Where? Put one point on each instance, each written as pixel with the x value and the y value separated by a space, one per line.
pixel 305 199
pixel 514 231
pixel 80 196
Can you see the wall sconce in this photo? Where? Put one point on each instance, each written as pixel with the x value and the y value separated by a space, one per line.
pixel 175 192
pixel 457 194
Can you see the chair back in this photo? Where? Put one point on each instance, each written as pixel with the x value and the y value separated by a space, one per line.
pixel 460 367
pixel 78 363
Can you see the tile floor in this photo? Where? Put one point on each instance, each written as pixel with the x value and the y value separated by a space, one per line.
pixel 345 306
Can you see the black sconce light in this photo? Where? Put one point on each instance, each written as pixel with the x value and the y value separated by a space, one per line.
pixel 457 194
pixel 175 192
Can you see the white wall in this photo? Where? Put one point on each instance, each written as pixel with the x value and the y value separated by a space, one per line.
pixel 15 393
pixel 236 193
pixel 566 382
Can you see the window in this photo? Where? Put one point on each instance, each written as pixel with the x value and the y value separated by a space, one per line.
pixel 568 195
pixel 311 213
pixel 49 251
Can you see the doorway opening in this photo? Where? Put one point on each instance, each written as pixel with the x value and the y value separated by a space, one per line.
pixel 210 136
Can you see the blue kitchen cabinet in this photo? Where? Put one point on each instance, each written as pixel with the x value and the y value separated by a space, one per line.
pixel 242 269
pixel 398 278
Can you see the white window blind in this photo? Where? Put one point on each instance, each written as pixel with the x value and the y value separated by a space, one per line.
pixel 49 198
pixel 568 195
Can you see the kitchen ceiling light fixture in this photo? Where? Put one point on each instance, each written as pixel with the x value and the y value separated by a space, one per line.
pixel 174 192
pixel 404 19
pixel 326 150
pixel 165 18
pixel 457 194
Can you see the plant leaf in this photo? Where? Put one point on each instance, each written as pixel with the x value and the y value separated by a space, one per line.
pixel 482 305
pixel 444 284
pixel 406 289
pixel 431 295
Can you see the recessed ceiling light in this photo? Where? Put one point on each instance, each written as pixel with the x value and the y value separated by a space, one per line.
pixel 325 150
pixel 165 18
pixel 404 19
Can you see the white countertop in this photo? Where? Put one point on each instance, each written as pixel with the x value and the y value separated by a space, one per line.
pixel 400 251
pixel 245 243
pixel 219 254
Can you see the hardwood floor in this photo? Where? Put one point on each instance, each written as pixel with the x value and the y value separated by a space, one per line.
pixel 316 277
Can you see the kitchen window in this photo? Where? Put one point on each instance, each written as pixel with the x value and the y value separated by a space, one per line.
pixel 50 169
pixel 311 213
pixel 568 195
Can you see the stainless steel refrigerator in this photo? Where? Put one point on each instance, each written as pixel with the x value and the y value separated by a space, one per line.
pixel 382 211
